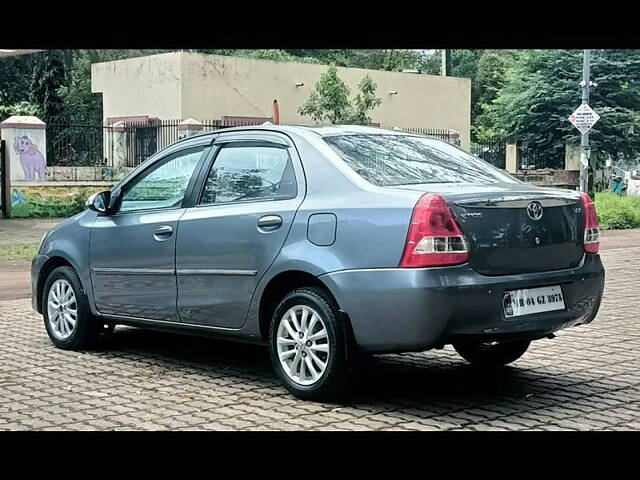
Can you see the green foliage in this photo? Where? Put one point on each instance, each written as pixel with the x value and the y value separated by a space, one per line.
pixel 15 75
pixel 20 108
pixel 365 101
pixel 489 80
pixel 375 59
pixel 80 104
pixel 56 83
pixel 330 101
pixel 541 89
pixel 486 69
pixel 49 74
pixel 618 211
pixel 50 207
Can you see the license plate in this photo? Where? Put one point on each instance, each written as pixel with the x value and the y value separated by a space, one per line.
pixel 532 300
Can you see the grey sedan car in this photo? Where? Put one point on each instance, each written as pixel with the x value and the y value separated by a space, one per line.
pixel 327 244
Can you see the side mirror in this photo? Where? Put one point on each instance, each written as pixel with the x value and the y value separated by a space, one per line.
pixel 99 202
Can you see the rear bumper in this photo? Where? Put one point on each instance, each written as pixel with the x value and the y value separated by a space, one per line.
pixel 398 309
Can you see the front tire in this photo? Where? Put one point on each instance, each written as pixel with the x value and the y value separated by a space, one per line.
pixel 492 354
pixel 308 345
pixel 67 316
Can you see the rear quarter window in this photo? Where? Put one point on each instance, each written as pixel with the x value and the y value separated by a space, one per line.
pixel 387 160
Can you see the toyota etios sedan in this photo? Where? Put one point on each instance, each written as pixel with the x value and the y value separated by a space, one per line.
pixel 324 243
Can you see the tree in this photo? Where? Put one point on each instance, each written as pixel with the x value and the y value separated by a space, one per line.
pixel 542 88
pixel 80 105
pixel 330 100
pixel 15 73
pixel 490 78
pixel 365 101
pixel 49 75
pixel 374 59
pixel 19 108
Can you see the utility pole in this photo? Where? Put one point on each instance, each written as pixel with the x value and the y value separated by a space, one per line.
pixel 446 62
pixel 584 141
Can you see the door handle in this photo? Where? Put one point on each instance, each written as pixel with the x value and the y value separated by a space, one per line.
pixel 162 232
pixel 269 222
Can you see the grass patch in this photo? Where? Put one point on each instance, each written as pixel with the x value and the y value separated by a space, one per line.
pixel 618 212
pixel 19 251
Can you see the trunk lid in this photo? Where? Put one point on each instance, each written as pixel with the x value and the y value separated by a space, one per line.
pixel 514 229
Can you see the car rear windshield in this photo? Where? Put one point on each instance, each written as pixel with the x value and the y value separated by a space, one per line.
pixel 387 160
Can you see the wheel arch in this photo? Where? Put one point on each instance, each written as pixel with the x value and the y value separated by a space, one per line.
pixel 49 266
pixel 281 284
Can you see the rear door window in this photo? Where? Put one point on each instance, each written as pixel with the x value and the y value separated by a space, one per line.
pixel 387 160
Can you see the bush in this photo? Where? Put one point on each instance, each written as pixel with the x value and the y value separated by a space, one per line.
pixel 38 206
pixel 617 212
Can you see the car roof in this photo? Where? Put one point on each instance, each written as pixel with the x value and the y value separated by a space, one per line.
pixel 320 130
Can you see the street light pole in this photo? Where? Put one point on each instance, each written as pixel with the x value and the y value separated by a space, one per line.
pixel 584 141
pixel 446 62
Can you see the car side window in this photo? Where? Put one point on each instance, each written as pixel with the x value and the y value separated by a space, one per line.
pixel 163 186
pixel 246 173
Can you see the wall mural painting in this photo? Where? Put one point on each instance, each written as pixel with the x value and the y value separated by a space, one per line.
pixel 31 159
pixel 18 197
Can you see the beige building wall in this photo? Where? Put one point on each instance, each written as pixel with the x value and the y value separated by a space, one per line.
pixel 140 86
pixel 183 85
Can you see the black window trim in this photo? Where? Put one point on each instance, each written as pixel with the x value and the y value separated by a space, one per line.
pixel 218 145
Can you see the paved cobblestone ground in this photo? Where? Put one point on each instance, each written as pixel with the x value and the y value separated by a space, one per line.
pixel 588 378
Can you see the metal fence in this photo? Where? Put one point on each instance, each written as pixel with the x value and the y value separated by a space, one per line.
pixel 535 156
pixel 71 144
pixel 143 140
pixel 541 156
pixel 494 152
pixel 76 145
pixel 132 143
pixel 441 133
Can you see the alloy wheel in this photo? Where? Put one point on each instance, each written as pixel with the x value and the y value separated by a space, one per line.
pixel 303 345
pixel 62 309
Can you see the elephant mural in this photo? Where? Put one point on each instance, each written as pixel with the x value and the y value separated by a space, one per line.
pixel 31 159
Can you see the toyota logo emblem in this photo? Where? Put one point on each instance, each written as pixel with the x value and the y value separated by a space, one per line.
pixel 534 211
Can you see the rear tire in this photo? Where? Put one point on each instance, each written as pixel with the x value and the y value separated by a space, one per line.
pixel 65 307
pixel 308 345
pixel 490 354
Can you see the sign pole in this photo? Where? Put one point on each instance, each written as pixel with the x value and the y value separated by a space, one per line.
pixel 446 63
pixel 584 141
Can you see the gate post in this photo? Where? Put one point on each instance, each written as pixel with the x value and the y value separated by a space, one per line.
pixel 118 145
pixel 188 128
pixel 511 156
pixel 25 148
pixel 571 157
